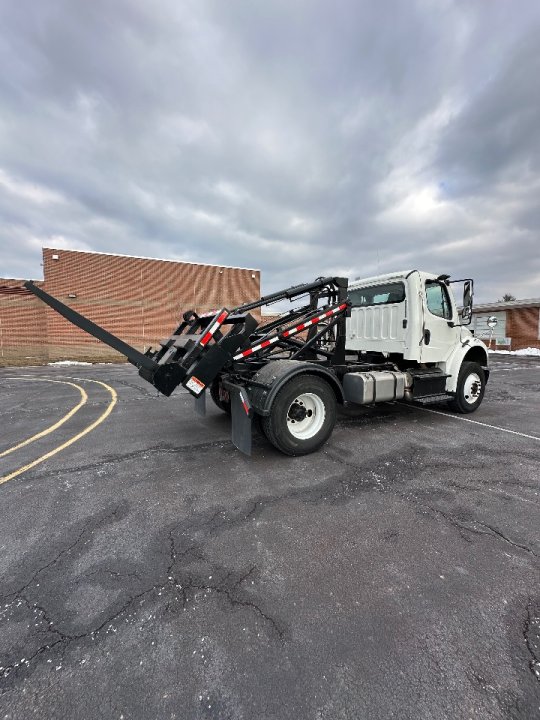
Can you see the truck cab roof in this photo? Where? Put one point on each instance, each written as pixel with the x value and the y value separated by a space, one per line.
pixel 388 277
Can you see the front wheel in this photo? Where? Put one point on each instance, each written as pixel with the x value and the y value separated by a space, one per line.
pixel 470 388
pixel 302 416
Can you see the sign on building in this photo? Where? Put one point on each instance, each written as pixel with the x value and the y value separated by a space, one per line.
pixel 482 328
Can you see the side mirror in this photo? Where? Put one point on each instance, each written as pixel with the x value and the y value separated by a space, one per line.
pixel 466 313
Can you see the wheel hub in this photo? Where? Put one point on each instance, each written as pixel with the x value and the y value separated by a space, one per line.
pixel 472 388
pixel 305 416
pixel 298 412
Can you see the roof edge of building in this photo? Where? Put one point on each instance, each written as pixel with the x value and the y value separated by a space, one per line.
pixel 143 257
pixel 511 305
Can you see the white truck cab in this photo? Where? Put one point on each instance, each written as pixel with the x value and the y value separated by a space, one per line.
pixel 412 318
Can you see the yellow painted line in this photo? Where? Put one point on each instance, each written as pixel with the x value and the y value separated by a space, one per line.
pixel 52 428
pixel 63 446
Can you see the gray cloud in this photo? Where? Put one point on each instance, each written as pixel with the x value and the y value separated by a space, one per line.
pixel 302 138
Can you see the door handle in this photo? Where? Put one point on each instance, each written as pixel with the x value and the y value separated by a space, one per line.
pixel 427 337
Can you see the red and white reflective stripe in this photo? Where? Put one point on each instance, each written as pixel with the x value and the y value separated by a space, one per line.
pixel 209 334
pixel 244 403
pixel 314 320
pixel 253 349
pixel 292 331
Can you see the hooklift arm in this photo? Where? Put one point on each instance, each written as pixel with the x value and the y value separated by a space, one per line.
pixel 152 367
pixel 133 355
pixel 199 350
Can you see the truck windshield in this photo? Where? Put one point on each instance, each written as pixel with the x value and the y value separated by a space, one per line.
pixel 378 295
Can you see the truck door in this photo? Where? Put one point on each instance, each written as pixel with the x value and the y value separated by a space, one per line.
pixel 439 338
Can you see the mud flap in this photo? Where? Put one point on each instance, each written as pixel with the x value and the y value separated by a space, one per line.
pixel 200 404
pixel 242 417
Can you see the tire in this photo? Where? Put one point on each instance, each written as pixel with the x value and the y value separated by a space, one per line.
pixel 302 416
pixel 224 405
pixel 470 388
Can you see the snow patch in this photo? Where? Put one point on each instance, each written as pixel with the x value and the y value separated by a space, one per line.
pixel 69 362
pixel 530 351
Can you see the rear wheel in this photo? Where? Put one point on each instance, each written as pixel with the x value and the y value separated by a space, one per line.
pixel 302 416
pixel 220 396
pixel 470 388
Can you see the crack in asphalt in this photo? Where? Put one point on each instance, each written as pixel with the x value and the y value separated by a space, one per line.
pixel 183 543
pixel 141 389
pixel 63 552
pixel 179 578
pixel 452 519
pixel 190 583
pixel 19 591
pixel 133 455
pixel 65 639
pixel 233 600
pixel 483 487
pixel 464 525
pixel 501 535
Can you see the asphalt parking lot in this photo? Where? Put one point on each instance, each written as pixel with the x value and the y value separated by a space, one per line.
pixel 149 570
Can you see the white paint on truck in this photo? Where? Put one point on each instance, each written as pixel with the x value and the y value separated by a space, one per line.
pixel 413 315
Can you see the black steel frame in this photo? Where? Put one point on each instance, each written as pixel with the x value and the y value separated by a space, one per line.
pixel 204 346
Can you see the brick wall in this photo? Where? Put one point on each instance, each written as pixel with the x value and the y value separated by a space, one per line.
pixel 23 336
pixel 522 325
pixel 140 300
pixel 269 317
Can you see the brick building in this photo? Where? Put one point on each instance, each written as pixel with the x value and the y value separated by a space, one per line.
pixel 518 324
pixel 22 319
pixel 138 299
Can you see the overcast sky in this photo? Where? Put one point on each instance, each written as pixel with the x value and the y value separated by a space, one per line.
pixel 299 137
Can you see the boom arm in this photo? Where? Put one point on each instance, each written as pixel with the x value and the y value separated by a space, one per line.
pixel 200 349
pixel 133 355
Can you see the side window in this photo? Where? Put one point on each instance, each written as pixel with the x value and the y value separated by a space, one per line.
pixel 437 300
pixel 378 295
